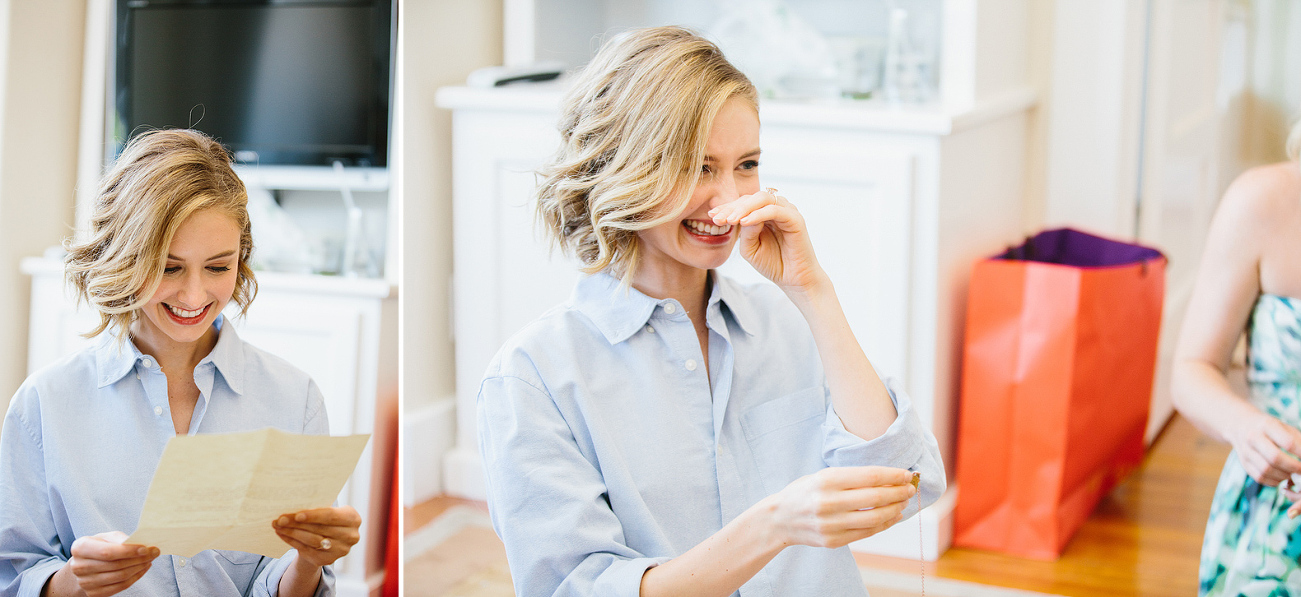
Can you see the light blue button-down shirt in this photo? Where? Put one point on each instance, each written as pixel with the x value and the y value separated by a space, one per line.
pixel 609 447
pixel 82 439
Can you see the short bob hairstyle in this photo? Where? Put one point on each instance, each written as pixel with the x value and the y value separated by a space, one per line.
pixel 633 131
pixel 161 178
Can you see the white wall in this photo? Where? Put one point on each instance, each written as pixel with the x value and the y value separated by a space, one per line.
pixel 1272 95
pixel 441 43
pixel 40 101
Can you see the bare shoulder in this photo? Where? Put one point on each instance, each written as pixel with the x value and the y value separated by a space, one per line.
pixel 1264 197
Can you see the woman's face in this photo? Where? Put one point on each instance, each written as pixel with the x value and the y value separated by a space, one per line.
pixel 730 170
pixel 198 279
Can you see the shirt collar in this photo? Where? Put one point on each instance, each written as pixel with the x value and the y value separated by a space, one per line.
pixel 618 313
pixel 735 302
pixel 114 359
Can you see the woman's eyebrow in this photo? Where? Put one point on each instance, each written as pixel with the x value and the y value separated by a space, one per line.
pixel 748 154
pixel 217 256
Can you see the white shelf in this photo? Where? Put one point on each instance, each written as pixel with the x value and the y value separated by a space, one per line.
pixel 862 115
pixel 338 286
pixel 313 178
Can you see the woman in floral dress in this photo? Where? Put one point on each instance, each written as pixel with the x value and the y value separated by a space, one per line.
pixel 1250 278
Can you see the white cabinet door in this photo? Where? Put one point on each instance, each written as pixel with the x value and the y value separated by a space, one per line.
pixel 504 275
pixel 321 337
pixel 856 196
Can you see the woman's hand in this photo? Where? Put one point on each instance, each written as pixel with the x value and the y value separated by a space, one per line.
pixel 839 505
pixel 102 565
pixel 321 536
pixel 1266 447
pixel 773 239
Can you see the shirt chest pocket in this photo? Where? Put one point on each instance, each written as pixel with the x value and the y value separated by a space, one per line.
pixel 239 558
pixel 785 436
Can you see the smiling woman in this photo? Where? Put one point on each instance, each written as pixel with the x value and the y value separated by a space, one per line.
pixel 162 179
pixel 167 251
pixel 669 431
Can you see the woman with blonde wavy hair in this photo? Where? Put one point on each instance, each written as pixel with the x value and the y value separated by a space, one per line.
pixel 168 249
pixel 1250 280
pixel 669 431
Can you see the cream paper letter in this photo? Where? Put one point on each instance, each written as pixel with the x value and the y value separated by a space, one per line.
pixel 222 490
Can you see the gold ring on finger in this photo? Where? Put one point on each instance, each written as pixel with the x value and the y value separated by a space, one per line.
pixel 325 545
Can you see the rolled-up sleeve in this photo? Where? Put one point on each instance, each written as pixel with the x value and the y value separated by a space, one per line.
pixel 905 444
pixel 548 501
pixel 30 551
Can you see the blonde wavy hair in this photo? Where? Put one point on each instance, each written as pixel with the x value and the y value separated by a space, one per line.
pixel 161 178
pixel 633 131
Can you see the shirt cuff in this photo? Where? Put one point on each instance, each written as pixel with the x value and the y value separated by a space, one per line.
pixel 623 577
pixel 268 585
pixel 898 447
pixel 35 577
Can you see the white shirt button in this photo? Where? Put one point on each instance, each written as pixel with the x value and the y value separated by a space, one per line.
pixel 650 329
pixel 158 411
pixel 691 364
pixel 149 363
pixel 183 562
pixel 670 308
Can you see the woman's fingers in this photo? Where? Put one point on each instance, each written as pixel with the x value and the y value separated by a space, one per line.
pixel 347 534
pixel 103 547
pixel 1258 468
pixel 305 537
pixel 1267 463
pixel 1278 445
pixel 82 566
pixel 111 577
pixel 840 504
pixel 852 526
pixel 338 525
pixel 103 565
pixel 851 500
pixel 875 518
pixel 309 546
pixel 732 212
pixel 786 219
pixel 112 588
pixel 341 516
pixel 302 548
pixel 849 477
pixel 1285 437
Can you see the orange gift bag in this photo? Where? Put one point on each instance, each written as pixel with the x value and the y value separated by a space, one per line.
pixel 1057 375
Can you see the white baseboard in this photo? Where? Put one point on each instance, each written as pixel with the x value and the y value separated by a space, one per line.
pixel 429 432
pixel 901 540
pixel 911 583
pixel 463 474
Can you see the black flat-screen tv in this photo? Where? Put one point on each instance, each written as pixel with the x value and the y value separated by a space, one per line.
pixel 290 82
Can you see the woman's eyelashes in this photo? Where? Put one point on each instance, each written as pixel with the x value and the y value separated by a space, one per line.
pixel 747 165
pixel 216 269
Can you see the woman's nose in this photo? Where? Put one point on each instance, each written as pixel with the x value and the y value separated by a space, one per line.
pixel 191 293
pixel 724 191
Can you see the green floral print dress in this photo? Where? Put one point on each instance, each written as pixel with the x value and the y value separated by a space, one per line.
pixel 1251 547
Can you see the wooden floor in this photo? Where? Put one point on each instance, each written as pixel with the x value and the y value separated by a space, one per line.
pixel 1143 540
